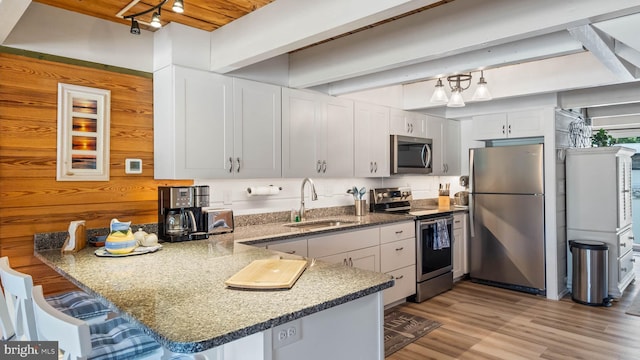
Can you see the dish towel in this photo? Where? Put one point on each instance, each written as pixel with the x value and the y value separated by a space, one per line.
pixel 441 236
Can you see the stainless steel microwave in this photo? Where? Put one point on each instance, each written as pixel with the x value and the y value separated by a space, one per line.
pixel 411 155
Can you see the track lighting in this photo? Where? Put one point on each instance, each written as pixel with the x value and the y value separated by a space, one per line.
pixel 135 28
pixel 178 7
pixel 155 20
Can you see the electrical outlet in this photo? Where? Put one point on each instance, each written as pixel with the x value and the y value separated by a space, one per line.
pixel 286 334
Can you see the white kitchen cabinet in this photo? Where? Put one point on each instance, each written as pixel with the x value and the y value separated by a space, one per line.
pixel 371 140
pixel 517 124
pixel 598 200
pixel 343 241
pixel 366 259
pixel 398 259
pixel 445 135
pixel 257 130
pixel 317 135
pixel 295 247
pixel 212 126
pixel 193 122
pixel 407 123
pixel 460 239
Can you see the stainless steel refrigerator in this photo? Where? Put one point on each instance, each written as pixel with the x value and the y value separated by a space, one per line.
pixel 506 208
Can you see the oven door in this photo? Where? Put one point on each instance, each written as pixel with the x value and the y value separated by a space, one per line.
pixel 430 261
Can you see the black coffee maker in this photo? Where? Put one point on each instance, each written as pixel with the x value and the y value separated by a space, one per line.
pixel 180 216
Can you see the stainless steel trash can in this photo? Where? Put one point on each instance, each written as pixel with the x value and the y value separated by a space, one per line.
pixel 590 276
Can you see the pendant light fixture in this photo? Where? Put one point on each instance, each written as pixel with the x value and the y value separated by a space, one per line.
pixel 482 91
pixel 439 95
pixel 178 7
pixel 459 83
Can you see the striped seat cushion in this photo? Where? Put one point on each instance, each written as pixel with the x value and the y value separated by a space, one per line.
pixel 117 339
pixel 78 304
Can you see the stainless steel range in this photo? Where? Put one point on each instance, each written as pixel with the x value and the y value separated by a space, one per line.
pixel 434 238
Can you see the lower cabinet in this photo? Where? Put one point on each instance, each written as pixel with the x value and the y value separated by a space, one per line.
pixel 296 247
pixel 460 239
pixel 389 249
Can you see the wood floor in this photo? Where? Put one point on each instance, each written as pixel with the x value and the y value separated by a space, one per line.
pixel 484 322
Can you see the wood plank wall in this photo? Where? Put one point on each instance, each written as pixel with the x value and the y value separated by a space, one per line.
pixel 31 200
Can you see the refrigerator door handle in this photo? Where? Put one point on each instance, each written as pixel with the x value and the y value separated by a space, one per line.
pixel 471 212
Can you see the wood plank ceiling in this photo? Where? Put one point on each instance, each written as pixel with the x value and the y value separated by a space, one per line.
pixel 201 14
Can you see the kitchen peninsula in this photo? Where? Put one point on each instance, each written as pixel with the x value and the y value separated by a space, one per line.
pixel 177 295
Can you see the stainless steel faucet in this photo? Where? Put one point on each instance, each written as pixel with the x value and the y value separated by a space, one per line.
pixel 314 196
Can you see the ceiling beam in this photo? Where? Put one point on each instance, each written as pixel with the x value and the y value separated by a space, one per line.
pixel 629 54
pixel 602 47
pixel 287 25
pixel 614 110
pixel 454 28
pixel 11 11
pixel 600 96
pixel 551 45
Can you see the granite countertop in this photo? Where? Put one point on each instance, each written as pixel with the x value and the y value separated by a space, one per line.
pixel 178 294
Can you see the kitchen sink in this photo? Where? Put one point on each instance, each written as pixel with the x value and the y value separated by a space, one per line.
pixel 320 224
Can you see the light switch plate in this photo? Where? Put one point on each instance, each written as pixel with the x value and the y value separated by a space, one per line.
pixel 133 166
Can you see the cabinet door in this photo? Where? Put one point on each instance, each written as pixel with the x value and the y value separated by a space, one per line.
pixel 366 259
pixel 192 139
pixel 436 127
pixel 297 247
pixel 407 123
pixel 452 148
pixel 623 167
pixel 343 242
pixel 525 124
pixel 404 286
pixel 300 116
pixel 336 137
pixel 491 126
pixel 257 130
pixel 371 138
pixel 397 254
pixel 458 253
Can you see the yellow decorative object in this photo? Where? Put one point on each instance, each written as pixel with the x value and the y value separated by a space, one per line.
pixel 120 239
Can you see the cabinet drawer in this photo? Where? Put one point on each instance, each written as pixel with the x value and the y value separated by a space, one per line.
pixel 458 221
pixel 343 241
pixel 298 247
pixel 625 242
pixel 625 266
pixel 397 254
pixel 404 286
pixel 396 232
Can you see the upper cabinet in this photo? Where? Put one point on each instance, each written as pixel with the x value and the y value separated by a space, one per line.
pixel 212 126
pixel 193 118
pixel 407 123
pixel 445 135
pixel 317 135
pixel 371 140
pixel 257 129
pixel 515 124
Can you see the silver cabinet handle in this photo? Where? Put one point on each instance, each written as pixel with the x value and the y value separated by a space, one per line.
pixel 400 277
pixel 400 249
pixel 350 262
pixel 509 128
pixel 503 129
pixel 624 269
pixel 375 163
pixel 623 244
pixel 319 166
pixel 371 166
pixel 399 232
pixel 230 165
pixel 238 168
pixel 344 262
pixel 324 166
pixel 291 252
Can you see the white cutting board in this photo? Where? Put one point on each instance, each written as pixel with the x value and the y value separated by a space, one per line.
pixel 268 274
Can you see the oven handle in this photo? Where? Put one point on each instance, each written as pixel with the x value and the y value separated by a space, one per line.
pixel 432 222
